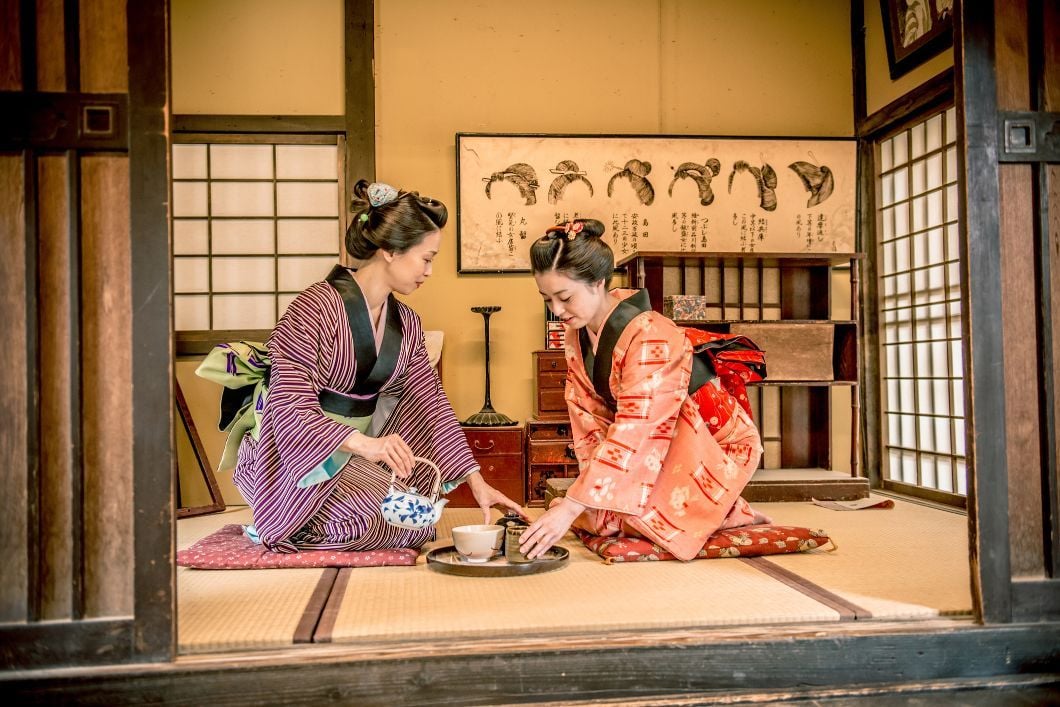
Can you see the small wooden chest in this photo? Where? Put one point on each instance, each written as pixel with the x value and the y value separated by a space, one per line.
pixel 549 454
pixel 550 376
pixel 499 451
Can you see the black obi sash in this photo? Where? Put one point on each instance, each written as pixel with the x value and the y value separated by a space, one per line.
pixel 598 366
pixel 373 370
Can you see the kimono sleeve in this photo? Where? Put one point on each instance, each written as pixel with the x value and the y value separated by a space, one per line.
pixel 649 381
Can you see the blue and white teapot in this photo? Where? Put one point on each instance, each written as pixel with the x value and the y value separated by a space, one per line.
pixel 409 509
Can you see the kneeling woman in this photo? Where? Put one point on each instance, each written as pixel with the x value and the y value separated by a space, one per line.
pixel 349 386
pixel 658 457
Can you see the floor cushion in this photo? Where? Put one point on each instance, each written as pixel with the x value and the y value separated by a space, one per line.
pixel 745 541
pixel 230 549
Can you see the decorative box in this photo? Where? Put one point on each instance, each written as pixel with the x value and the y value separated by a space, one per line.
pixel 555 335
pixel 685 307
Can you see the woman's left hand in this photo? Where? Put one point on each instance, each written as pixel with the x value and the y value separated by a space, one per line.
pixel 487 497
pixel 546 531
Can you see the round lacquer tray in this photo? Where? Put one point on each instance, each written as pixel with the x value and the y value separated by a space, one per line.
pixel 448 561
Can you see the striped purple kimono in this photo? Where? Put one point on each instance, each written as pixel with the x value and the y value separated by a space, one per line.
pixel 313 353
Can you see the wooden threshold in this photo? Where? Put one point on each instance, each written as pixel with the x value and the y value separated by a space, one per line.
pixel 665 663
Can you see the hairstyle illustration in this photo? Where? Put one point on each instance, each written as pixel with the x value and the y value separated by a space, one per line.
pixel 521 175
pixel 568 174
pixel 575 249
pixel 636 172
pixel 701 174
pixel 385 218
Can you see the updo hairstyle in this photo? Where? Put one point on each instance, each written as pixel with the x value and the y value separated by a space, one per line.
pixel 574 249
pixel 395 221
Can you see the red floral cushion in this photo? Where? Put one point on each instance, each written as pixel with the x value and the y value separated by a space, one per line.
pixel 230 549
pixel 746 541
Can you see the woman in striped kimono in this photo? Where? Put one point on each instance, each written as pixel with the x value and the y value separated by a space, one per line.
pixel 661 423
pixel 350 389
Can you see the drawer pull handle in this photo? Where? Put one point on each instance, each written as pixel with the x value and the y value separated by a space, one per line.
pixel 562 431
pixel 569 451
pixel 480 448
pixel 553 364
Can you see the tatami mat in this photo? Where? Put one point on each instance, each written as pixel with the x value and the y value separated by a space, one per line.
pixel 220 610
pixel 909 561
pixel 586 594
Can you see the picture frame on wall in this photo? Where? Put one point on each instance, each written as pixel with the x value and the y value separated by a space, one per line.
pixel 653 193
pixel 914 31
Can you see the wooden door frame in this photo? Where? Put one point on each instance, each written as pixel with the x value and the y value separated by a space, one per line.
pixel 999 596
pixel 148 635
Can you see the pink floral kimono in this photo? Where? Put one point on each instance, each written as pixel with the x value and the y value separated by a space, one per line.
pixel 656 460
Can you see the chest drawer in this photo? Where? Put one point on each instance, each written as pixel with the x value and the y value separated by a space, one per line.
pixel 548 430
pixel 551 379
pixel 489 441
pixel 550 361
pixel 555 452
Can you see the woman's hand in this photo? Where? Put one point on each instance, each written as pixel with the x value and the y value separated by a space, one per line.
pixel 390 450
pixel 487 497
pixel 546 531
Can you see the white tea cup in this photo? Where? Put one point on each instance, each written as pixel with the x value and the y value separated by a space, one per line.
pixel 478 543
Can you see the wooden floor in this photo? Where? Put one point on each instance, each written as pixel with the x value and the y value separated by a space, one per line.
pixel 908 563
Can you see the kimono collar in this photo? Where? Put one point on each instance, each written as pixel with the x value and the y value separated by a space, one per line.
pixel 598 365
pixel 373 370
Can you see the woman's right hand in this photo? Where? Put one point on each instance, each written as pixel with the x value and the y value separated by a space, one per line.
pixel 390 450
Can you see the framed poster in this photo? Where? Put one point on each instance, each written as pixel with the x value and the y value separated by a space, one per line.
pixel 659 193
pixel 914 31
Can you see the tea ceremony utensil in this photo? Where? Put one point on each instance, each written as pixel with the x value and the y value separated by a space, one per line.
pixel 448 561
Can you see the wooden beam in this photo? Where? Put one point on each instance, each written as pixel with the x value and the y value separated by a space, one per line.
pixel 275 124
pixel 984 347
pixel 360 93
pixel 153 455
pixel 928 97
pixel 65 643
pixel 16 404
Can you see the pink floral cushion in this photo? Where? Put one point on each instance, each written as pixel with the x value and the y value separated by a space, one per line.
pixel 746 541
pixel 230 549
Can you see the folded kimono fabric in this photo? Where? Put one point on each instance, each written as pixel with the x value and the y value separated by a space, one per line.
pixel 745 541
pixel 230 549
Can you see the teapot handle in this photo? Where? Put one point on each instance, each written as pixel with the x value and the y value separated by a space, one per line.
pixel 437 476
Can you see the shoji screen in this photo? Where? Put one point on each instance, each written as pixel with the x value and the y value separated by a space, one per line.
pixel 921 361
pixel 254 223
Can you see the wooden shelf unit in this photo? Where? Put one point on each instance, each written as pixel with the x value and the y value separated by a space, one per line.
pixel 778 295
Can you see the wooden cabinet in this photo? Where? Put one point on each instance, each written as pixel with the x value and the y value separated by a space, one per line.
pixel 549 445
pixel 783 302
pixel 499 452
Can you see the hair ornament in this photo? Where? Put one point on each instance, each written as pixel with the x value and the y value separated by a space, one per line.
pixel 572 229
pixel 363 218
pixel 380 193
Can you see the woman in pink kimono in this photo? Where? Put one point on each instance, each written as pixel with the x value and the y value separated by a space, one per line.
pixel 664 449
